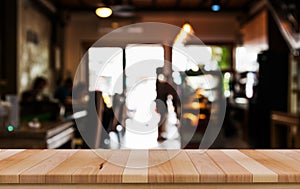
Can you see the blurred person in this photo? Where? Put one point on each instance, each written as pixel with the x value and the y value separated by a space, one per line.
pixel 64 93
pixel 35 105
pixel 36 92
pixel 163 90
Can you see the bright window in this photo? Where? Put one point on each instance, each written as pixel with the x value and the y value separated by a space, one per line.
pixel 106 69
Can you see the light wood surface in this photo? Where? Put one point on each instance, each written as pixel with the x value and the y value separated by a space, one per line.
pixel 111 171
pixel 233 170
pixel 153 186
pixel 9 173
pixel 208 170
pixel 136 170
pixel 285 173
pixel 183 168
pixel 153 167
pixel 160 172
pixel 37 173
pixel 260 172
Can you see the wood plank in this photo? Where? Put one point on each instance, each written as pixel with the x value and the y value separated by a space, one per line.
pixel 63 172
pixel 208 170
pixel 14 159
pixel 183 169
pixel 11 174
pixel 104 154
pixel 160 169
pixel 7 153
pixel 87 172
pixel 136 170
pixel 295 154
pixel 234 171
pixel 287 161
pixel 112 170
pixel 188 166
pixel 260 173
pixel 37 173
pixel 285 173
pixel 156 186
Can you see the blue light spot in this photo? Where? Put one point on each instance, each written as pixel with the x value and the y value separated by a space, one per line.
pixel 215 8
pixel 10 128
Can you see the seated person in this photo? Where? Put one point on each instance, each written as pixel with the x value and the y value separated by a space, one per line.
pixel 36 92
pixel 35 104
pixel 64 92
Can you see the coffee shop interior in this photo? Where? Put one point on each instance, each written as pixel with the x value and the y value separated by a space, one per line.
pixel 166 67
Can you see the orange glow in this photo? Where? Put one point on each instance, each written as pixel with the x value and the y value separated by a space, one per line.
pixel 201 105
pixel 183 35
pixel 192 118
pixel 202 116
pixel 187 28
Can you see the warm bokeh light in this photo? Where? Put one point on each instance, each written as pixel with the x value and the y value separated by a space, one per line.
pixel 103 12
pixel 187 28
pixel 183 35
pixel 107 100
pixel 193 118
pixel 202 116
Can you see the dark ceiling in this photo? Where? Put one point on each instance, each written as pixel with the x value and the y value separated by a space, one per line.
pixel 156 5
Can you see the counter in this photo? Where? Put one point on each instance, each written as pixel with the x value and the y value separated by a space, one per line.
pixel 188 169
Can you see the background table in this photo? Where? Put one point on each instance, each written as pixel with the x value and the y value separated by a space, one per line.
pixel 52 134
pixel 188 169
pixel 291 122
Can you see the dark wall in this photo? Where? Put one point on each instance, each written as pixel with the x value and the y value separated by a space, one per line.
pixel 9 43
pixel 8 47
pixel 272 90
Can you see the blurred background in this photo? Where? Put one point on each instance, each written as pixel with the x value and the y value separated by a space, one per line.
pixel 255 44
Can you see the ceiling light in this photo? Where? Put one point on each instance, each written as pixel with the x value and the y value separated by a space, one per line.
pixel 187 28
pixel 103 11
pixel 184 34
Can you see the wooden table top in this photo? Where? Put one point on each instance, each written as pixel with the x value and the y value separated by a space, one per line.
pixel 188 166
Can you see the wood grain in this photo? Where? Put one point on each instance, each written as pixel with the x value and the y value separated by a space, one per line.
pixel 136 170
pixel 234 171
pixel 183 168
pixel 287 162
pixel 208 170
pixel 7 153
pixel 37 173
pixel 260 173
pixel 285 173
pixel 112 170
pixel 160 169
pixel 295 154
pixel 156 186
pixel 155 167
pixel 10 158
pixel 11 161
pixel 11 174
pixel 87 172
pixel 64 171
